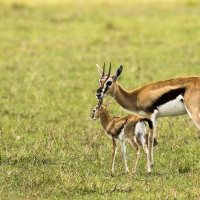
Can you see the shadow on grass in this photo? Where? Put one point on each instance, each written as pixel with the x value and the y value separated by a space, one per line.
pixel 31 161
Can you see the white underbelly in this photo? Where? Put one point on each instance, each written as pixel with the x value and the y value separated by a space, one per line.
pixel 140 112
pixel 172 108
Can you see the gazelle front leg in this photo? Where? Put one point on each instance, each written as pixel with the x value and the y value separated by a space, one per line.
pixel 123 148
pixel 153 118
pixel 150 147
pixel 114 150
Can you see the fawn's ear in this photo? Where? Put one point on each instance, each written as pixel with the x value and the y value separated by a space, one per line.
pixel 118 72
pixel 100 103
pixel 109 102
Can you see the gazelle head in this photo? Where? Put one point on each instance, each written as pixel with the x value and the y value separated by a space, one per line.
pixel 96 110
pixel 99 108
pixel 107 82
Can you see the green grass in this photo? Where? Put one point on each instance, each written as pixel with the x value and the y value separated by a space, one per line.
pixel 50 148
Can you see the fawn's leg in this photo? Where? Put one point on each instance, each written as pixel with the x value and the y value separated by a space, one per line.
pixel 114 150
pixel 137 152
pixel 123 148
pixel 135 145
pixel 145 147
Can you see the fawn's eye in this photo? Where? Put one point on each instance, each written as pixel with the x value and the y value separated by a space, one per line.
pixel 109 83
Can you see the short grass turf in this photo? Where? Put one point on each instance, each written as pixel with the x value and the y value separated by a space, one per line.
pixel 50 148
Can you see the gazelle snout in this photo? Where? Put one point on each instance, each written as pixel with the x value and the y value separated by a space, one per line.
pixel 92 116
pixel 99 93
pixel 95 114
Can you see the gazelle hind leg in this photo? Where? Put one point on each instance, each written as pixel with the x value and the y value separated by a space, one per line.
pixel 195 116
pixel 192 105
pixel 147 155
pixel 124 154
pixel 145 147
pixel 132 141
pixel 137 153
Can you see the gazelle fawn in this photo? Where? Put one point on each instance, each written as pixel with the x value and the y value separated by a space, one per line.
pixel 131 127
pixel 172 97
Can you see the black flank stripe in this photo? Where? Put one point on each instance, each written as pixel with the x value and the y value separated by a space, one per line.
pixel 166 97
pixel 106 89
pixel 119 130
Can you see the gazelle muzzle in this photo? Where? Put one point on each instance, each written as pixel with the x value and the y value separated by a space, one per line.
pixel 92 115
pixel 100 93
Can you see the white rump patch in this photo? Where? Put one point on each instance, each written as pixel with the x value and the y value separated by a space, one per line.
pixel 140 130
pixel 172 108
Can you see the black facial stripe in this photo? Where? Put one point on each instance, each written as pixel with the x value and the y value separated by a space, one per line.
pixel 101 89
pixel 166 97
pixel 118 131
pixel 105 90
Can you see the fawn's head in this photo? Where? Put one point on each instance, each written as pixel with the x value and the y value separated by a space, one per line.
pixel 100 108
pixel 107 82
pixel 96 110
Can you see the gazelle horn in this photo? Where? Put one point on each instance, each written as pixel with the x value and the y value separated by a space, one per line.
pixel 109 102
pixel 103 70
pixel 109 70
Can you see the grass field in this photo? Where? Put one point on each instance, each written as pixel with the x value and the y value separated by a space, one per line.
pixel 50 148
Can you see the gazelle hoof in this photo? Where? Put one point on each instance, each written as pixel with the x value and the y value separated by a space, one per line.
pixel 152 163
pixel 133 172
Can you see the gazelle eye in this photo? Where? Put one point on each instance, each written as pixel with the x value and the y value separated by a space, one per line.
pixel 109 83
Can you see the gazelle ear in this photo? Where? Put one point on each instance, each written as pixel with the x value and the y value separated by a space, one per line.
pixel 100 70
pixel 118 72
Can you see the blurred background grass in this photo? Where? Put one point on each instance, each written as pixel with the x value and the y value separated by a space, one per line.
pixel 49 146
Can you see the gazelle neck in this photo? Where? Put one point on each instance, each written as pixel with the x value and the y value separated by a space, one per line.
pixel 125 98
pixel 104 117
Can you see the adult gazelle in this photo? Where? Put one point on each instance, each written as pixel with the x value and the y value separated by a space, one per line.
pixel 172 97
